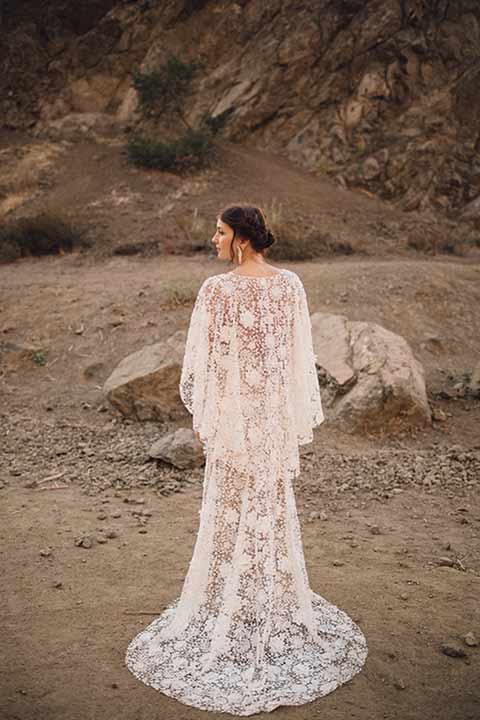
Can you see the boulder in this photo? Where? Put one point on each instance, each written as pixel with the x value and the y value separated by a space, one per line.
pixel 373 378
pixel 144 385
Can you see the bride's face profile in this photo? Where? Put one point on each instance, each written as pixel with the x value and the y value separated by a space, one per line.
pixel 222 240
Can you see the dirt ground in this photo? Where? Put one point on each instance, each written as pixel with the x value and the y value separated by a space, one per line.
pixel 391 523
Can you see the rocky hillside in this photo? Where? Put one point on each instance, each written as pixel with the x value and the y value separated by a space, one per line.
pixel 381 95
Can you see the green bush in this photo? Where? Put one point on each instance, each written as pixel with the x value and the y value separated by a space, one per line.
pixel 164 89
pixel 159 92
pixel 151 153
pixel 191 149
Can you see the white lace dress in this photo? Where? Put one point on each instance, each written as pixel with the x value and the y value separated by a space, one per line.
pixel 247 633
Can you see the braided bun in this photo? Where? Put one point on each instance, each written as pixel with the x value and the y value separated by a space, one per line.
pixel 270 238
pixel 248 221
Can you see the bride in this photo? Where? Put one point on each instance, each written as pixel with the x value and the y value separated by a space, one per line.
pixel 247 633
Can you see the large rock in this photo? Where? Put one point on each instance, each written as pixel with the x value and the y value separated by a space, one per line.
pixel 373 378
pixel 145 384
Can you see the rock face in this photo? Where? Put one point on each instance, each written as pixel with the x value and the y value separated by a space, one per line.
pixel 372 377
pixel 145 384
pixel 381 94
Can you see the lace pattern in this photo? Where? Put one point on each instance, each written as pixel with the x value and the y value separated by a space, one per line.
pixel 247 633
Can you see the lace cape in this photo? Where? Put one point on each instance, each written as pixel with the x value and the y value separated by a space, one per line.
pixel 247 633
pixel 249 366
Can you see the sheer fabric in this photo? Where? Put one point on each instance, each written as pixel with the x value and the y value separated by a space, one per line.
pixel 247 633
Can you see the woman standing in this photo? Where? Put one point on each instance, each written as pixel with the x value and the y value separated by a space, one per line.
pixel 247 633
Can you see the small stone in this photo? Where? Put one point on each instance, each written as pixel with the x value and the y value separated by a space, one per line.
pixel 85 541
pixel 58 584
pixel 101 516
pixel 46 552
pixel 338 563
pixel 116 515
pixel 404 596
pixel 143 531
pixel 470 639
pixel 101 539
pixel 445 562
pixel 452 649
pixel 399 684
pixel 375 530
pixel 111 534
pixel 31 484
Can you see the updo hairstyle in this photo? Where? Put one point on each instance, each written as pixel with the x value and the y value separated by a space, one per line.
pixel 248 221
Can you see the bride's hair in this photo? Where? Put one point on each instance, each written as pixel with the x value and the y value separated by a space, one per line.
pixel 248 221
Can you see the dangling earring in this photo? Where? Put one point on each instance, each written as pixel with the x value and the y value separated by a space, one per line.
pixel 239 254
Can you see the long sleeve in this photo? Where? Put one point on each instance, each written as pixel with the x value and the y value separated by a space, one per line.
pixel 306 400
pixel 210 386
pixel 203 377
pixel 194 373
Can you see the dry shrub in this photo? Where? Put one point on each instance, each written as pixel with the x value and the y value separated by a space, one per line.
pixel 431 242
pixel 297 245
pixel 307 246
pixel 196 234
pixel 44 234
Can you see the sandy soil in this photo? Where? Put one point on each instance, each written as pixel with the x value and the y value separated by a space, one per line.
pixel 375 524
pixel 70 615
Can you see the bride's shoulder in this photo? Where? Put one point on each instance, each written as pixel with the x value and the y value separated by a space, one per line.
pixel 291 274
pixel 211 287
pixel 231 275
pixel 210 281
pixel 226 281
